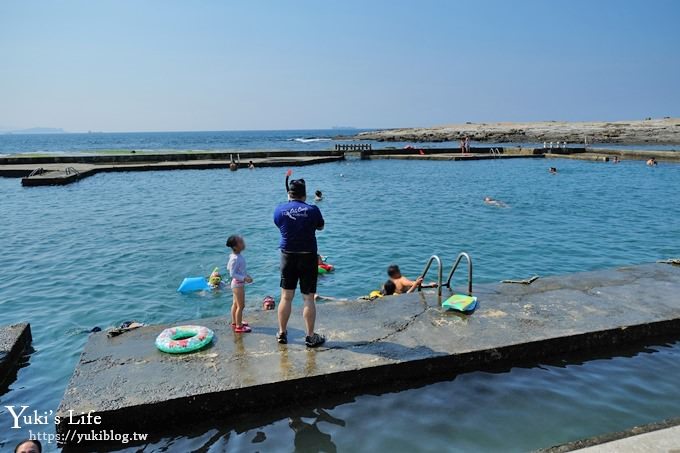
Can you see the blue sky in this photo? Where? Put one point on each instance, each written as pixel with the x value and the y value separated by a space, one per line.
pixel 221 65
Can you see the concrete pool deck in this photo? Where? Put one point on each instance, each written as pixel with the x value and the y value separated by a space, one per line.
pixel 65 173
pixel 14 340
pixel 384 345
pixel 60 169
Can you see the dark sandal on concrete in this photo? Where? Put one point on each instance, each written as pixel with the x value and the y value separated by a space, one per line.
pixel 315 340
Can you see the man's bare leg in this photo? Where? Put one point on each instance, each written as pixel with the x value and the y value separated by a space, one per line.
pixel 309 313
pixel 285 306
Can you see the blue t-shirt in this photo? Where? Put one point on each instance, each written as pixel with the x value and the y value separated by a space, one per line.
pixel 297 222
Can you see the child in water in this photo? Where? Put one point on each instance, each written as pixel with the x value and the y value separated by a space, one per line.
pixel 321 263
pixel 215 279
pixel 400 284
pixel 390 287
pixel 239 277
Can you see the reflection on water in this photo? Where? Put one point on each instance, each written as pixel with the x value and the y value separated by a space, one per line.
pixel 7 379
pixel 308 436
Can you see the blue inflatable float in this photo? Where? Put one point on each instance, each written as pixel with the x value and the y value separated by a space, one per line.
pixel 191 284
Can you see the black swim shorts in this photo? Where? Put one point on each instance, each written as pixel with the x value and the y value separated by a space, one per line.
pixel 300 267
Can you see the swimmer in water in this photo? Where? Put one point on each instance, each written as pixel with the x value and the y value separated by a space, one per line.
pixel 651 162
pixel 491 202
pixel 390 287
pixel 268 303
pixel 553 170
pixel 318 196
pixel 215 279
pixel 251 165
pixel 321 263
pixel 401 283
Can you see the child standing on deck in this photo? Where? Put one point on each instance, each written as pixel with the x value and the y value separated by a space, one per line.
pixel 239 277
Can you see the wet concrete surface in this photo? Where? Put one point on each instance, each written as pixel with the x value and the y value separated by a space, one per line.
pixel 390 343
pixel 14 340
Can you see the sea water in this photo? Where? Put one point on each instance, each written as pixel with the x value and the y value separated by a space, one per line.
pixel 114 247
pixel 171 141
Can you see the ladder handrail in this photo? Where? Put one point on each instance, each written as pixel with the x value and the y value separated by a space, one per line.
pixel 461 255
pixel 37 171
pixel 439 273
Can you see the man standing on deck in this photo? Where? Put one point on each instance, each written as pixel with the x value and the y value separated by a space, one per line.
pixel 298 223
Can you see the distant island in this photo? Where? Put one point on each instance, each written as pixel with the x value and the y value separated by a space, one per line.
pixel 37 130
pixel 637 132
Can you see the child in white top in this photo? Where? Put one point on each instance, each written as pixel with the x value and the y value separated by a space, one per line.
pixel 239 277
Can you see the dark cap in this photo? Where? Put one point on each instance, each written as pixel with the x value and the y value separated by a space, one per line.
pixel 297 188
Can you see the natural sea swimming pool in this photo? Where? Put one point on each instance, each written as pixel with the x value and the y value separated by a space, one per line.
pixel 114 247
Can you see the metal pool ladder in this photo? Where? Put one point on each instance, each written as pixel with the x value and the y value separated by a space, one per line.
pixel 439 274
pixel 461 255
pixel 450 277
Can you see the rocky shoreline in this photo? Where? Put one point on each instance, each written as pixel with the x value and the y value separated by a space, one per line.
pixel 650 131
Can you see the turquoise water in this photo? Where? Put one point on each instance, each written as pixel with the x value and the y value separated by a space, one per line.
pixel 114 247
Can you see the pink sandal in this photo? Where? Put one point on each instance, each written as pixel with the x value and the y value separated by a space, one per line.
pixel 233 324
pixel 243 329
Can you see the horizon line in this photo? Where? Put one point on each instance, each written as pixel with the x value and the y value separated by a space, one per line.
pixel 25 131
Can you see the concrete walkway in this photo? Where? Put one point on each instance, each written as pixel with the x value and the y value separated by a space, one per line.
pixel 661 441
pixel 454 156
pixel 384 345
pixel 56 173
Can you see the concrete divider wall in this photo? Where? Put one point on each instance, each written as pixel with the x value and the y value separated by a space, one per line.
pixel 246 155
pixel 14 340
pixel 474 150
pixel 161 157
